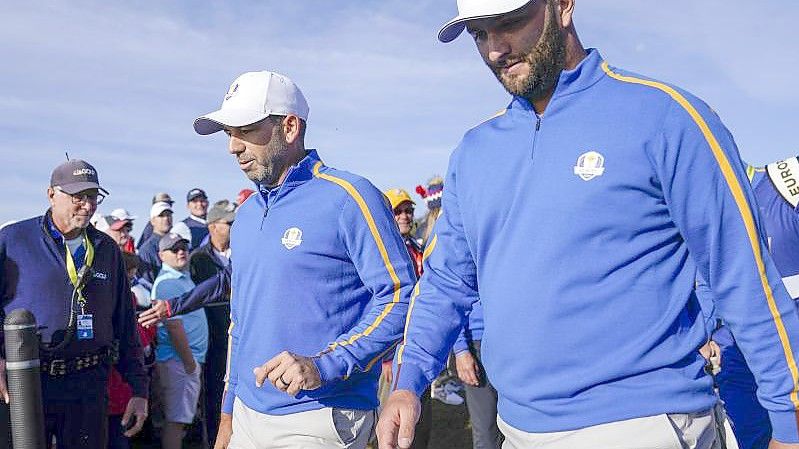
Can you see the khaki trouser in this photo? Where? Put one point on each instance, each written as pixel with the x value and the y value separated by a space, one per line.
pixel 673 431
pixel 315 429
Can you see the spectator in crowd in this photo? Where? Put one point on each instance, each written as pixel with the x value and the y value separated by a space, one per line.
pixel 161 221
pixel 127 218
pixel 118 230
pixel 612 192
pixel 197 203
pixel 243 195
pixel 432 198
pixel 341 275
pixel 205 262
pixel 160 197
pixel 45 261
pixel 403 208
pixel 182 343
pixel 481 397
pixel 119 392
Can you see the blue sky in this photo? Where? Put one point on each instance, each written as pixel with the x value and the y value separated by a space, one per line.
pixel 119 83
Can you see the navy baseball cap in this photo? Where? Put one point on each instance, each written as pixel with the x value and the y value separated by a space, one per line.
pixel 195 193
pixel 75 176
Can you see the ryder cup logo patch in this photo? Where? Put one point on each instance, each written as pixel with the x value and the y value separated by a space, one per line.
pixel 292 238
pixel 232 91
pixel 590 165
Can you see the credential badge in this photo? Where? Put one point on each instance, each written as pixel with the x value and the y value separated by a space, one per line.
pixel 292 238
pixel 590 165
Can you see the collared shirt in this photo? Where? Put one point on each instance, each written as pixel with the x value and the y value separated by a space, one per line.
pixel 169 284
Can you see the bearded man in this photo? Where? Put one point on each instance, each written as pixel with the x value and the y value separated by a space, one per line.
pixel 610 192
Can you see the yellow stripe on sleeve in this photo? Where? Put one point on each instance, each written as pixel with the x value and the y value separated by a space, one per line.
pixel 381 247
pixel 743 208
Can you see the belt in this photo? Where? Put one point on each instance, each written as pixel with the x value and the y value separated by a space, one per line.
pixel 62 367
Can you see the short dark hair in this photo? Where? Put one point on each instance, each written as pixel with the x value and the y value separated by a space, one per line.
pixel 131 261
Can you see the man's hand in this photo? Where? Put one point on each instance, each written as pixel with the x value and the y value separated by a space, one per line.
pixel 468 370
pixel 712 353
pixel 155 314
pixel 774 444
pixel 225 431
pixel 398 419
pixel 3 384
pixel 289 373
pixel 137 408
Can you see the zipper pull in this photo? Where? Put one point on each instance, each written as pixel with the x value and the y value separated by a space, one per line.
pixel 537 122
pixel 266 211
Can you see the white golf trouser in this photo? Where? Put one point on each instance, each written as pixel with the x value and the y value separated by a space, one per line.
pixel 325 428
pixel 672 431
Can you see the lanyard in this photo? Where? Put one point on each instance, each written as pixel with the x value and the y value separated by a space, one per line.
pixel 73 272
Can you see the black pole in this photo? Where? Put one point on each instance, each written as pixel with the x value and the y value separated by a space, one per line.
pixel 24 381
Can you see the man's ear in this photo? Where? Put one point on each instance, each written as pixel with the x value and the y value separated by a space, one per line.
pixel 566 12
pixel 50 195
pixel 292 127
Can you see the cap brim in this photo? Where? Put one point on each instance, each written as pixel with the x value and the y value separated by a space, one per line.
pixel 452 29
pixel 76 187
pixel 216 121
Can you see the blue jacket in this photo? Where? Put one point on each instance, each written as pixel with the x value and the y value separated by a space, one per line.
pixel 584 248
pixel 199 232
pixel 150 261
pixel 33 275
pixel 319 269
pixel 777 191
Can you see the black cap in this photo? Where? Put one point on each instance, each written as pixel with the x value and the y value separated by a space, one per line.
pixel 168 241
pixel 75 176
pixel 195 193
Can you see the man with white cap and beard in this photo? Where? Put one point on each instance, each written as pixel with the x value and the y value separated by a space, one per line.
pixel 609 193
pixel 318 298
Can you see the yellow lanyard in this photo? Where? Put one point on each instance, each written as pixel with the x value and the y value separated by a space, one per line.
pixel 87 262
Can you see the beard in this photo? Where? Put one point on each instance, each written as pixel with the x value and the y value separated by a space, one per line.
pixel 546 60
pixel 267 170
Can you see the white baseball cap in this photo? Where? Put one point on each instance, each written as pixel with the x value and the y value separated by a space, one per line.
pixel 253 97
pixel 181 229
pixel 122 214
pixel 158 208
pixel 476 9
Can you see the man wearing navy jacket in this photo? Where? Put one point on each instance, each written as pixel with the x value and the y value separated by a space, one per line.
pixel 71 276
pixel 611 193
pixel 320 281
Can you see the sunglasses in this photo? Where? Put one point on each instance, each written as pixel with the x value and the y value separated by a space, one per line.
pixel 178 248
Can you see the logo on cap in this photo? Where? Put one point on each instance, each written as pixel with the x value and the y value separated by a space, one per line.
pixel 292 238
pixel 232 91
pixel 83 171
pixel 590 165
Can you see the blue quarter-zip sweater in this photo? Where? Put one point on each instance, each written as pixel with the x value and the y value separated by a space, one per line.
pixel 319 268
pixel 584 249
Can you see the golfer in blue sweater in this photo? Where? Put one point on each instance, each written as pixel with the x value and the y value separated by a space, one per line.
pixel 609 192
